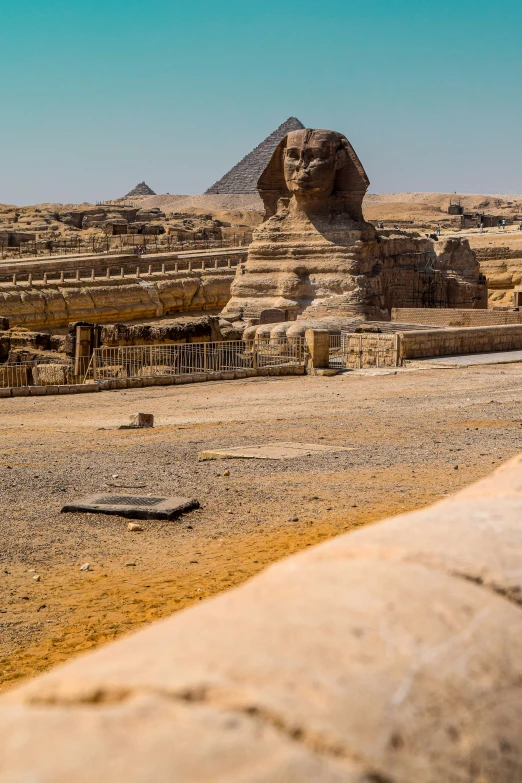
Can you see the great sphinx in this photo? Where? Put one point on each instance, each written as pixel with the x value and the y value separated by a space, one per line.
pixel 315 255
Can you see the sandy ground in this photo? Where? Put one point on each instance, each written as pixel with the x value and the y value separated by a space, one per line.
pixel 416 435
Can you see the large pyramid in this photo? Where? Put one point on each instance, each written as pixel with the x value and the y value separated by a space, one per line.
pixel 141 189
pixel 242 178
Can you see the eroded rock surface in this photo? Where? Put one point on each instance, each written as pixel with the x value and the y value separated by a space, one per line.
pixel 390 654
pixel 316 255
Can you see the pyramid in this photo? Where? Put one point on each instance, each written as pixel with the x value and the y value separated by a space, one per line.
pixel 242 178
pixel 141 189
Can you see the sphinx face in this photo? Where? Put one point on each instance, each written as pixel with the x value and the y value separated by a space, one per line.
pixel 311 160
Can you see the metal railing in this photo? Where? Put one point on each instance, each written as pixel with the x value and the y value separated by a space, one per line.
pixel 150 243
pixel 156 361
pixel 34 374
pixel 350 351
pixel 147 361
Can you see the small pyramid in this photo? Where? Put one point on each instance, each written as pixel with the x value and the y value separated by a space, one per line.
pixel 242 178
pixel 141 189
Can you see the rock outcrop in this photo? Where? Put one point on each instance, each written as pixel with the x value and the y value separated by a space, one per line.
pixel 53 306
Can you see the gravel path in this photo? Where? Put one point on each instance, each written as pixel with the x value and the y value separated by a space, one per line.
pixel 417 435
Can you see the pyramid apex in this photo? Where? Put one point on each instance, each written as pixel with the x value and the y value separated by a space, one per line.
pixel 141 189
pixel 243 177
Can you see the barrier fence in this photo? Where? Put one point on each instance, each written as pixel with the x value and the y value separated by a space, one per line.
pixel 349 351
pixel 34 374
pixel 156 361
pixel 145 361
pixel 149 243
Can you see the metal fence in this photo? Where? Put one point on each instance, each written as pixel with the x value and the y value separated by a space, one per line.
pixel 156 361
pixel 148 243
pixel 34 374
pixel 146 361
pixel 349 351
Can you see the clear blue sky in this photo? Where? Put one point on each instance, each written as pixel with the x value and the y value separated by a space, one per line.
pixel 97 96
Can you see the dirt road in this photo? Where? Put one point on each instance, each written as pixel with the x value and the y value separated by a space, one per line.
pixel 416 435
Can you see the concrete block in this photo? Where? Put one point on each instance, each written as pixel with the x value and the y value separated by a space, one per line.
pixel 251 373
pixel 228 375
pixel 51 389
pixel 20 391
pixel 64 389
pixel 5 392
pixel 240 374
pixel 37 391
pixel 135 383
pixel 119 383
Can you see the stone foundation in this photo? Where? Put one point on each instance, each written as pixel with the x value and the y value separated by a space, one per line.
pixel 105 301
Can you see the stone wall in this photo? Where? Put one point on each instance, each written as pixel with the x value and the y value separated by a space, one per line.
pixel 454 317
pixel 393 653
pixel 49 306
pixel 365 350
pixel 450 342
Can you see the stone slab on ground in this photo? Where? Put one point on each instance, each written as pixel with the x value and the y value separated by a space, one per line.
pixel 270 451
pixel 465 360
pixel 133 506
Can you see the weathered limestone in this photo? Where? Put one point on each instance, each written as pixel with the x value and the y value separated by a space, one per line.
pixel 48 306
pixel 393 653
pixel 318 344
pixel 456 318
pixel 315 255
pixel 140 420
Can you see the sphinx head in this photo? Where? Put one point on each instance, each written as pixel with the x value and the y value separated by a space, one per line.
pixel 311 160
pixel 313 165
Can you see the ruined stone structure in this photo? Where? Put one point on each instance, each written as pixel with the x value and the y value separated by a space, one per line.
pixel 49 294
pixel 315 255
pixel 243 177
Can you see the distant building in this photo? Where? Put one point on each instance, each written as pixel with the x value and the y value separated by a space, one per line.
pixel 455 209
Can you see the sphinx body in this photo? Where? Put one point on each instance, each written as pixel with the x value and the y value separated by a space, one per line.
pixel 315 255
